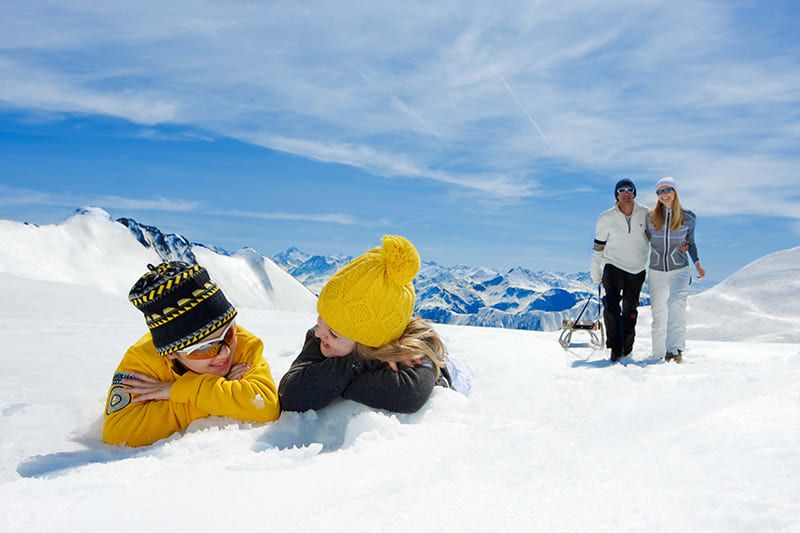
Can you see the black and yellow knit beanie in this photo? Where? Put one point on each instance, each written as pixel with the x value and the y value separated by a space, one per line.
pixel 181 305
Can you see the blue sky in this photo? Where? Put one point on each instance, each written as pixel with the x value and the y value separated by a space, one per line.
pixel 489 133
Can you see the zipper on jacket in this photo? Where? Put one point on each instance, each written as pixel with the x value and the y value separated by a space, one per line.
pixel 667 221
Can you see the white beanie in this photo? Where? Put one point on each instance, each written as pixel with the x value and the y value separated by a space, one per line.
pixel 669 181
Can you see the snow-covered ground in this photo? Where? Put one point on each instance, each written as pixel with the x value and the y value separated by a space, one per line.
pixel 549 440
pixel 759 302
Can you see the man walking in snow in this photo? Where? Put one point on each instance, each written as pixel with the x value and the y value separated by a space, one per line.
pixel 618 262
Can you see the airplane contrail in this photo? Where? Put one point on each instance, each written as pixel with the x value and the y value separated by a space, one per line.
pixel 514 96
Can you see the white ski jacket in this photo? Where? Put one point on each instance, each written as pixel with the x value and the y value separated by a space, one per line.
pixel 620 241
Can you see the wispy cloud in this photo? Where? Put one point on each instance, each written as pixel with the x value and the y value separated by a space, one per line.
pixel 44 90
pixel 10 196
pixel 152 134
pixel 642 88
pixel 153 204
pixel 328 218
pixel 388 164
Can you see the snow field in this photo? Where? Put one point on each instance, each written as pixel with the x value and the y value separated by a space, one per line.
pixel 548 441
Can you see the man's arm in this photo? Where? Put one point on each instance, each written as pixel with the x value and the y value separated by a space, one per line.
pixel 600 240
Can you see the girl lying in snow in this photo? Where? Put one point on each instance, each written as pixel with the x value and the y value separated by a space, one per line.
pixel 195 361
pixel 366 346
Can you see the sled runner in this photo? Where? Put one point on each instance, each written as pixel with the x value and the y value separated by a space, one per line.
pixel 594 328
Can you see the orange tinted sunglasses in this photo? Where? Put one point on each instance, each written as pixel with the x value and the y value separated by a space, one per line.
pixel 210 349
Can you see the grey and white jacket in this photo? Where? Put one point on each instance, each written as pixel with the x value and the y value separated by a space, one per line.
pixel 664 253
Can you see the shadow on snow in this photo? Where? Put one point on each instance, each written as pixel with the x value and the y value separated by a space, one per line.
pixel 625 361
pixel 335 427
pixel 55 464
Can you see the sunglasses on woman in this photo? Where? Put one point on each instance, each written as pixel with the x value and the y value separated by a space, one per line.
pixel 210 349
pixel 665 190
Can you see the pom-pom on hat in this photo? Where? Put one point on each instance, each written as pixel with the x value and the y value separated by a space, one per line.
pixel 181 305
pixel 624 182
pixel 669 181
pixel 370 300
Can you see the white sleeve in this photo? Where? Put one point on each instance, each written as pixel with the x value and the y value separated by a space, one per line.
pixel 600 239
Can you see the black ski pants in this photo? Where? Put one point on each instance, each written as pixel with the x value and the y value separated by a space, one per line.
pixel 621 288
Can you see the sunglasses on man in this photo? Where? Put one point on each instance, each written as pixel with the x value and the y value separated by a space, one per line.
pixel 623 190
pixel 210 349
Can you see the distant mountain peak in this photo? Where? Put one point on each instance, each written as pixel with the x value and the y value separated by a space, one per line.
pixel 168 246
pixel 91 211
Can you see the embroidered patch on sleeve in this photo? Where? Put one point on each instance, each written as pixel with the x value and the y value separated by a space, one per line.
pixel 118 396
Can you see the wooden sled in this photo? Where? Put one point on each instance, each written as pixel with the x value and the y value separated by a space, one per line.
pixel 597 337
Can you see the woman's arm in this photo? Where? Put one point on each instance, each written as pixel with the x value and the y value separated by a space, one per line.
pixel 701 272
pixel 692 223
pixel 403 391
pixel 314 381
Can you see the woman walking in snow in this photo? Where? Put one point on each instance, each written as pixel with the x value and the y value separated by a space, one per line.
pixel 366 346
pixel 671 232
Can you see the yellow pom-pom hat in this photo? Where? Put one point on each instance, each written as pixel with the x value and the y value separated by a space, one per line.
pixel 370 300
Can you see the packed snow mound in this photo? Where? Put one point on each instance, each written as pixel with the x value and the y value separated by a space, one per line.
pixel 90 248
pixel 760 302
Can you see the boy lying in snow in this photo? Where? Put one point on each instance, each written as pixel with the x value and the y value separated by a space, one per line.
pixel 366 346
pixel 195 361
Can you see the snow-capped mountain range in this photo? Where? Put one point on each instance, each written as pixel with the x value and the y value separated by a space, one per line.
pixel 476 296
pixel 311 270
pixel 479 296
pixel 91 248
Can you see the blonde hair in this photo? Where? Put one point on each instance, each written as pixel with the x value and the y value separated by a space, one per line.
pixel 418 340
pixel 657 214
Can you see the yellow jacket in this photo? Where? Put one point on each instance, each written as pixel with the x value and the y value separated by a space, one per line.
pixel 254 398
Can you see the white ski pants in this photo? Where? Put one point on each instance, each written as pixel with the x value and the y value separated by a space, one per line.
pixel 668 293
